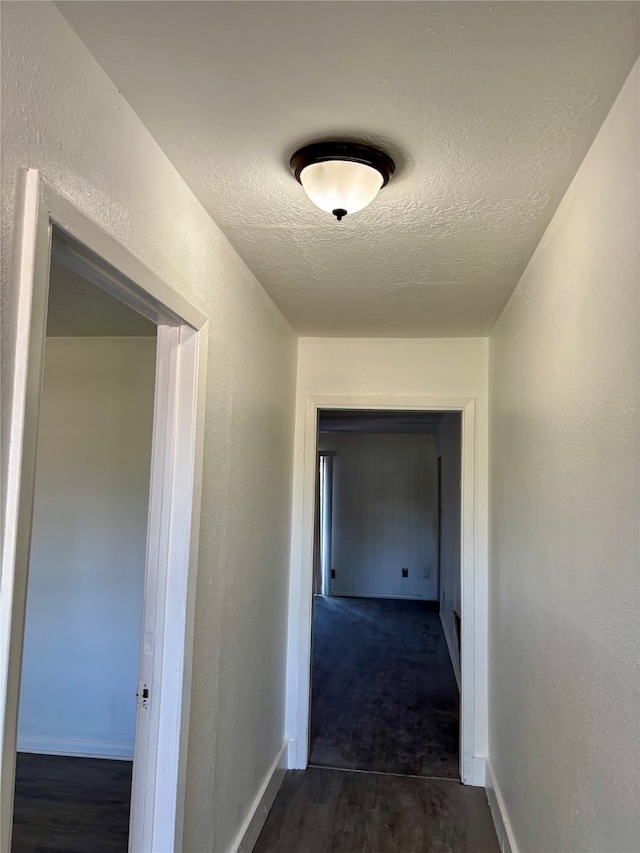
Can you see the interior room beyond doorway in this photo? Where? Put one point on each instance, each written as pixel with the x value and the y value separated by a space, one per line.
pixel 77 713
pixel 387 608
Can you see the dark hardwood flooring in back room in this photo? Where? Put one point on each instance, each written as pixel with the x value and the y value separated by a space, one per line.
pixel 384 696
pixel 71 805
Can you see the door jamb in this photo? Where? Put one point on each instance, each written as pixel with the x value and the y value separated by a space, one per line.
pixel 473 721
pixel 174 497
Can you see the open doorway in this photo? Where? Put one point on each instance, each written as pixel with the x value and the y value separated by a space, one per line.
pixel 49 229
pixel 81 654
pixel 385 662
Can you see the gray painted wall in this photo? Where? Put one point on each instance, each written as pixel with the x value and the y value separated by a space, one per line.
pixel 384 514
pixel 86 572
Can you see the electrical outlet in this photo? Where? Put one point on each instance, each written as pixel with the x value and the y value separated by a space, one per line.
pixel 405 573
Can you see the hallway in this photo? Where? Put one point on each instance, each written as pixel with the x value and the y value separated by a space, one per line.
pixel 495 275
pixel 384 695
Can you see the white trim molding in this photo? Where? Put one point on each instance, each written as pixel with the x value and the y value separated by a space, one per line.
pixel 499 813
pixel 382 595
pixel 292 754
pixel 174 510
pixel 473 730
pixel 254 821
pixel 79 748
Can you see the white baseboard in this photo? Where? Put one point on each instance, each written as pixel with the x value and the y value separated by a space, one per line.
pixel 252 825
pixel 379 595
pixel 452 651
pixel 77 748
pixel 499 814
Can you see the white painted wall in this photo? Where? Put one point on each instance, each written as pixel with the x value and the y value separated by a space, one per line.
pixel 449 450
pixel 86 572
pixel 384 514
pixel 62 115
pixel 387 369
pixel 564 616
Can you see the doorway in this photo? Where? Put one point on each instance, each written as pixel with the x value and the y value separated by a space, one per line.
pixel 384 695
pixel 77 710
pixel 473 568
pixel 50 230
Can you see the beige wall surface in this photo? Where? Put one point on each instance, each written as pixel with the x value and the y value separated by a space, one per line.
pixel 87 563
pixel 564 575
pixel 63 116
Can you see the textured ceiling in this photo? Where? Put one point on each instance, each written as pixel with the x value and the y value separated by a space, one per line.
pixel 487 108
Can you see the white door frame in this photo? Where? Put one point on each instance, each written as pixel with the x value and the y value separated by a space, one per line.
pixel 174 500
pixel 473 718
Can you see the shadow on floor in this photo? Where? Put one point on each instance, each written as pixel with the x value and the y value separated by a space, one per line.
pixel 384 695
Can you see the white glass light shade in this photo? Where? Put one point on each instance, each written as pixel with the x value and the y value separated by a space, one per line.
pixel 341 185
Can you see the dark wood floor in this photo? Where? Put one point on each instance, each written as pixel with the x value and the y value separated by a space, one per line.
pixel 402 720
pixel 71 805
pixel 384 695
pixel 334 811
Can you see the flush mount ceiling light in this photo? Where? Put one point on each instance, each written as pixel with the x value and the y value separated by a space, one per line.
pixel 341 177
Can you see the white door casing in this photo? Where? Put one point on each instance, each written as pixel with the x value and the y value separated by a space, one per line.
pixel 474 724
pixel 174 503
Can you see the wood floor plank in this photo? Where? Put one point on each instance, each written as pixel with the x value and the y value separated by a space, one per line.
pixel 71 805
pixel 333 811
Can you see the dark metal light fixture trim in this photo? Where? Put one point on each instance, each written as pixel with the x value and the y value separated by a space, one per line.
pixel 341 177
pixel 351 152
